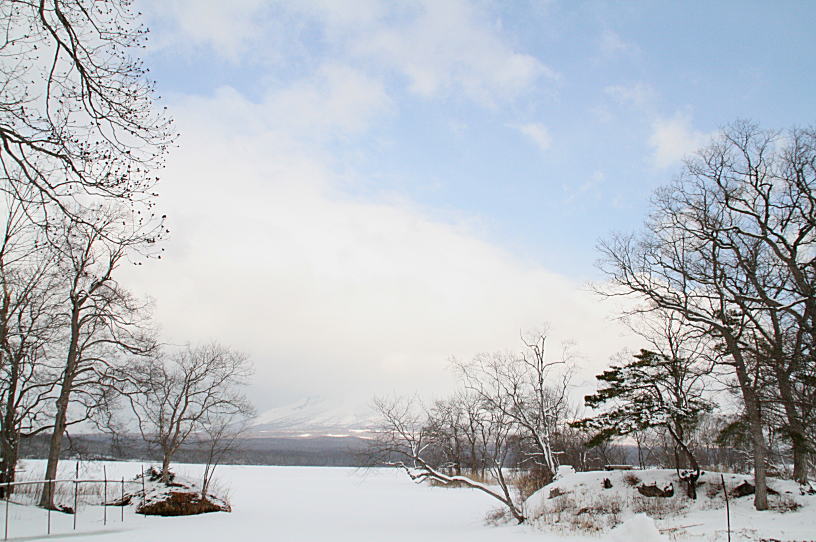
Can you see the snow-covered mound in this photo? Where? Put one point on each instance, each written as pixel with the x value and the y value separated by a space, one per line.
pixel 178 497
pixel 654 504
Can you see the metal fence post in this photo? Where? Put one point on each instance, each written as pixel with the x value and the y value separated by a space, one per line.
pixel 144 491
pixel 122 508
pixel 105 496
pixel 49 508
pixel 727 507
pixel 76 493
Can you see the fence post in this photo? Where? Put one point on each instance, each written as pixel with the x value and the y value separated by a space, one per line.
pixel 144 491
pixel 48 482
pixel 105 495
pixel 727 507
pixel 5 536
pixel 122 508
pixel 76 493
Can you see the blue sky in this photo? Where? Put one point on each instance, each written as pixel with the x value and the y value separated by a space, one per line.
pixel 370 141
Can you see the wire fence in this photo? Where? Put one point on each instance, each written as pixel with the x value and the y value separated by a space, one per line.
pixel 86 491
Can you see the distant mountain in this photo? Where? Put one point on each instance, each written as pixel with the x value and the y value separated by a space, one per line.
pixel 314 417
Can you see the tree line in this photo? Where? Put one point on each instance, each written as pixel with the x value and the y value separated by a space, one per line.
pixel 721 281
pixel 81 141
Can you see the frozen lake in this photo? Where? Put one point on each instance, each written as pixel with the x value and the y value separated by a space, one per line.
pixel 290 504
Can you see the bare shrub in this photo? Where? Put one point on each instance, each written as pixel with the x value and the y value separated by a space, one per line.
pixel 88 493
pixel 713 491
pixel 497 516
pixel 657 508
pixel 528 482
pixel 784 503
pixel 631 479
pixel 591 514
pixel 456 484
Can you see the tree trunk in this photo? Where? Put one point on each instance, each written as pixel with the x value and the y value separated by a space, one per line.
pixel 165 470
pixel 760 456
pixel 800 463
pixel 760 452
pixel 754 413
pixel 795 427
pixel 55 447
pixel 8 463
pixel 61 419
pixel 9 436
pixel 678 435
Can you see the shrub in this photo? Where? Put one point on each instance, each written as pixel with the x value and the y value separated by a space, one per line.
pixel 631 479
pixel 497 516
pixel 784 503
pixel 592 514
pixel 657 508
pixel 528 482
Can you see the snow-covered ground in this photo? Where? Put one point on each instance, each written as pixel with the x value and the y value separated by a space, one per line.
pixel 583 499
pixel 342 504
pixel 291 504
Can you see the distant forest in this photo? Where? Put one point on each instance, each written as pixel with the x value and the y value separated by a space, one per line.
pixel 311 451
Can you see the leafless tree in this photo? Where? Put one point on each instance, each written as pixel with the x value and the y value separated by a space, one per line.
pixel 220 435
pixel 730 247
pixel 103 323
pixel 194 389
pixel 77 120
pixel 28 326
pixel 527 389
pixel 409 438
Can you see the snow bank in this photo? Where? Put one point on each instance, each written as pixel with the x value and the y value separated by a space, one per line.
pixel 639 527
pixel 610 503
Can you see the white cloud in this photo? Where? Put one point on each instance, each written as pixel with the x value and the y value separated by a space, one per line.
pixel 637 94
pixel 589 189
pixel 329 294
pixel 439 47
pixel 334 101
pixel 612 44
pixel 227 28
pixel 673 138
pixel 537 133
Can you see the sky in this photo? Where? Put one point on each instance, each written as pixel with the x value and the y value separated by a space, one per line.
pixel 364 189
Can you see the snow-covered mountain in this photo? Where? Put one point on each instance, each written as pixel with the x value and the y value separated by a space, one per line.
pixel 314 416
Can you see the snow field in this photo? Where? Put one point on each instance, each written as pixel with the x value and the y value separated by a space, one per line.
pixel 291 504
pixel 316 504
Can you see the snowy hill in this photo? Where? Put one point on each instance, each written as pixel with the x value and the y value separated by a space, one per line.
pixel 314 417
pixel 611 502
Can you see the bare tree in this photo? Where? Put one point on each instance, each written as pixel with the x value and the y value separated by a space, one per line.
pixel 409 438
pixel 220 435
pixel 730 247
pixel 28 327
pixel 77 120
pixel 527 390
pixel 194 389
pixel 102 323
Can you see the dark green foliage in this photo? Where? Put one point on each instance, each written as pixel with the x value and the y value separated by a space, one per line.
pixel 653 390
